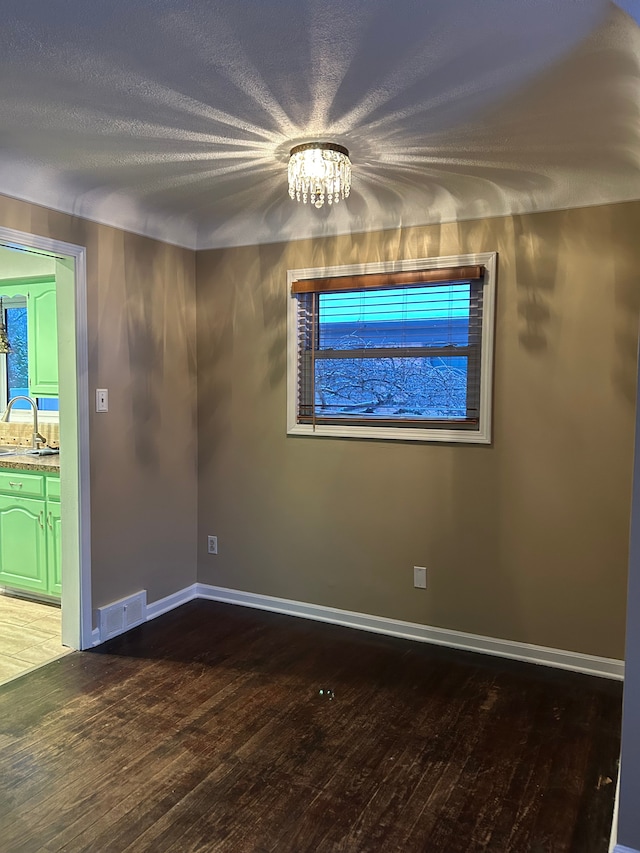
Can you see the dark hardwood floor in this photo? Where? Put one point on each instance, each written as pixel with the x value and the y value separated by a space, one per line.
pixel 206 730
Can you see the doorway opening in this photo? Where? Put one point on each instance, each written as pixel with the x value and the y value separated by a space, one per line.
pixel 64 519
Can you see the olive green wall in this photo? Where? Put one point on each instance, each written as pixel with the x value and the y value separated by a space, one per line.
pixel 141 330
pixel 525 540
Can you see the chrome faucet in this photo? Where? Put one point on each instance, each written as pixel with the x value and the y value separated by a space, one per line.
pixel 36 437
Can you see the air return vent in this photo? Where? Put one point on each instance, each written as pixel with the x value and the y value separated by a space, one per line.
pixel 118 617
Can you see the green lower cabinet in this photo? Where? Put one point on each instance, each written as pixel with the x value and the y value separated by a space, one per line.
pixel 54 551
pixel 23 544
pixel 30 553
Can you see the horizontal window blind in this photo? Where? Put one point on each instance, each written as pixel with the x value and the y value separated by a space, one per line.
pixel 368 281
pixel 403 355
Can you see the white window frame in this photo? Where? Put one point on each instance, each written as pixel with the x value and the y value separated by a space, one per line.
pixel 482 435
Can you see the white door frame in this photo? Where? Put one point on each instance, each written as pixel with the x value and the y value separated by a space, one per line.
pixel 76 548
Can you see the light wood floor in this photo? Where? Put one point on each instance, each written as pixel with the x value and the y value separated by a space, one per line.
pixel 29 636
pixel 221 729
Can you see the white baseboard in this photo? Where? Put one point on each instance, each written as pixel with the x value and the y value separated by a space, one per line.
pixel 620 848
pixel 170 602
pixel 590 664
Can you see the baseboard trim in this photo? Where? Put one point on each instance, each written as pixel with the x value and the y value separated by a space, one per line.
pixel 589 664
pixel 559 658
pixel 170 602
pixel 620 848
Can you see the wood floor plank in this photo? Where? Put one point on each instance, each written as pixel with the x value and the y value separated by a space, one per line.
pixel 205 730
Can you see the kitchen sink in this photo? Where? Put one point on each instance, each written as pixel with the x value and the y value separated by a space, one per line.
pixel 15 450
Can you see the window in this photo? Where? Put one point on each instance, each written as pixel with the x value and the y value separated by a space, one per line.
pixel 393 350
pixel 14 366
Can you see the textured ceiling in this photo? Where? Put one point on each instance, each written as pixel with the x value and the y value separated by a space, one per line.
pixel 175 117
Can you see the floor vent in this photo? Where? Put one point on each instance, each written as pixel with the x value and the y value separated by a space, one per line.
pixel 118 617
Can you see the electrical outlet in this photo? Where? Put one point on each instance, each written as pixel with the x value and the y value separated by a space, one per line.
pixel 420 577
pixel 212 544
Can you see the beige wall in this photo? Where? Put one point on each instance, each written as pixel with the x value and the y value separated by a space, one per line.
pixel 526 539
pixel 141 328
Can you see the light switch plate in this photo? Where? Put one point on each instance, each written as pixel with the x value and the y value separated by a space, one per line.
pixel 420 577
pixel 102 400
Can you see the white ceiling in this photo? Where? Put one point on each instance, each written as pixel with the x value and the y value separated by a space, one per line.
pixel 174 118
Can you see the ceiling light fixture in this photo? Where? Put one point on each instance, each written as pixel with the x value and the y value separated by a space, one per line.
pixel 318 170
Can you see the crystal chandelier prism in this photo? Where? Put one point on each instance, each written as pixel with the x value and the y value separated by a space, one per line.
pixel 319 171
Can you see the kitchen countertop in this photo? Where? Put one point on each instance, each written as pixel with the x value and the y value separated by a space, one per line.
pixel 26 462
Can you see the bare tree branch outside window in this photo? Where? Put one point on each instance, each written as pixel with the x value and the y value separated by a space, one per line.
pixel 425 387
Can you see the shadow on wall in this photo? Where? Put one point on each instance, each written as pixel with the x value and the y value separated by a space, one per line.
pixel 215 272
pixel 158 304
pixel 527 247
pixel 143 311
pixel 273 302
pixel 627 302
pixel 587 236
pixel 536 243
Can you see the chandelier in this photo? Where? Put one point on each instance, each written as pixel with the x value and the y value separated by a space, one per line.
pixel 318 170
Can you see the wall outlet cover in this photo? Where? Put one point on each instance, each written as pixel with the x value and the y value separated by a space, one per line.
pixel 420 577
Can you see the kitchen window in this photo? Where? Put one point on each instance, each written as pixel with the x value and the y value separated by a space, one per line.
pixel 395 351
pixel 14 366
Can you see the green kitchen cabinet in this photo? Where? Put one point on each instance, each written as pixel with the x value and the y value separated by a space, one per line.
pixel 54 550
pixel 39 293
pixel 42 340
pixel 30 553
pixel 23 543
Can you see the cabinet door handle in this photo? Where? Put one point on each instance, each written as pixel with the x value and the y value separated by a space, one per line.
pixel 49 522
pixel 19 485
pixel 41 518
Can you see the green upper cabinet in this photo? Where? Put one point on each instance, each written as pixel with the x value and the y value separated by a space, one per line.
pixel 42 340
pixel 42 330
